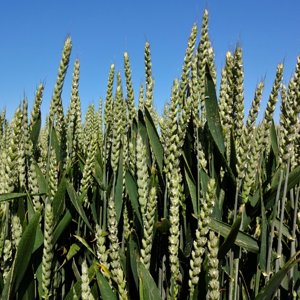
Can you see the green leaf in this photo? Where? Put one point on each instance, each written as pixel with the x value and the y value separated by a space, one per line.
pixel 98 175
pixel 30 207
pixel 84 242
pixel 59 200
pixel 142 129
pixel 62 226
pixel 204 178
pixel 274 140
pixel 263 240
pixel 242 240
pixel 119 188
pixel 293 180
pixel 11 196
pixel 24 251
pixel 192 189
pixel 154 140
pixel 72 251
pixel 35 132
pixel 273 284
pixel 230 239
pixel 22 259
pixel 284 228
pixel 39 239
pixel 212 113
pixel 76 288
pixel 54 142
pixel 134 258
pixel 43 186
pixel 215 127
pixel 148 287
pixel 27 287
pixel 77 204
pixel 106 291
pixel 131 188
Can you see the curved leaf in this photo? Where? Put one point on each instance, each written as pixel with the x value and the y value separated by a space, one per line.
pixel 154 140
pixel 11 196
pixel 131 189
pixel 22 259
pixel 148 287
pixel 230 239
pixel 212 113
pixel 106 291
pixel 77 204
pixel 76 288
pixel 242 240
pixel 62 226
pixel 119 188
pixel 275 281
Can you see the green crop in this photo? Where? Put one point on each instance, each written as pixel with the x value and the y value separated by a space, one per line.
pixel 200 202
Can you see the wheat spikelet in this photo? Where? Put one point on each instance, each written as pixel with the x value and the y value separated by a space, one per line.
pixel 267 121
pixel 36 110
pixel 47 251
pixel 73 119
pixel 142 174
pixel 148 228
pixel 245 145
pixel 213 292
pixel 174 216
pixel 201 237
pixel 16 230
pixel 108 110
pixel 86 293
pixel 115 265
pixel 129 87
pixel 187 63
pixel 7 259
pixel 238 96
pixel 141 98
pixel 56 107
pixel 88 170
pixel 24 147
pixel 118 129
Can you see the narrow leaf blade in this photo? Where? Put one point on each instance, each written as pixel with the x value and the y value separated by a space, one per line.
pixel 212 113
pixel 242 240
pixel 154 140
pixel 275 281
pixel 106 291
pixel 149 288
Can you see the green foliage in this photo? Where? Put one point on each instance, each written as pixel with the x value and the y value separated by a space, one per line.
pixel 193 204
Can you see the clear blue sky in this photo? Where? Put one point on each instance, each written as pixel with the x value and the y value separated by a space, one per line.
pixel 32 34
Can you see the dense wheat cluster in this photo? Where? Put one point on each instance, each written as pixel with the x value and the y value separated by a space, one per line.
pixel 199 203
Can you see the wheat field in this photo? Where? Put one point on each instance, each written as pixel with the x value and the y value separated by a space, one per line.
pixel 201 202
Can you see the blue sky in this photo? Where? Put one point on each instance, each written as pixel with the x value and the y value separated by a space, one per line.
pixel 32 34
